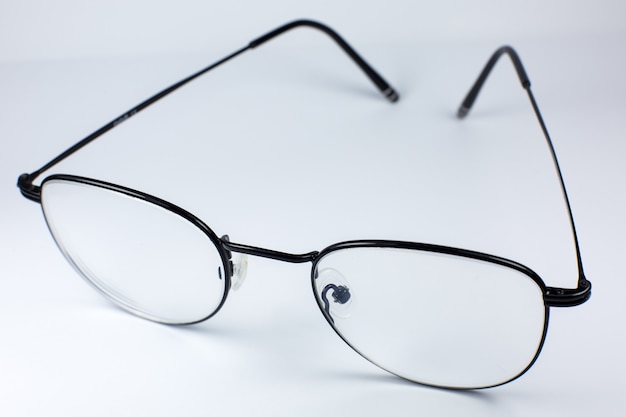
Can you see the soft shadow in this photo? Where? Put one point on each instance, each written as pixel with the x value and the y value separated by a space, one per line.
pixel 205 329
pixel 393 380
pixel 489 111
pixel 109 311
pixel 334 85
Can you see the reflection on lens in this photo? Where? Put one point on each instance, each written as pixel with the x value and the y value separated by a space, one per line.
pixel 438 319
pixel 143 257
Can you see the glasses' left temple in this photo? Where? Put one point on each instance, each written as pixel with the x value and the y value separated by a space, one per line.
pixel 558 297
pixel 33 192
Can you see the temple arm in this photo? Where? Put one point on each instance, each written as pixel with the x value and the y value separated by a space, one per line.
pixel 382 85
pixel 558 297
pixel 33 192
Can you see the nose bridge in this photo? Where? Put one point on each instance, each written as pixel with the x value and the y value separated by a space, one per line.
pixel 268 253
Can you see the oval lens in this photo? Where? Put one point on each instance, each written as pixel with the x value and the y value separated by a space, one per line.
pixel 437 319
pixel 147 259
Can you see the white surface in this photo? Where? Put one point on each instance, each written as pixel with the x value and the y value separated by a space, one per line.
pixel 289 147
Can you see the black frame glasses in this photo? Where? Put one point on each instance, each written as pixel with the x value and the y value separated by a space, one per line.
pixel 341 297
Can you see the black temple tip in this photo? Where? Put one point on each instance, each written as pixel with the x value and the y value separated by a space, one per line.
pixel 391 95
pixel 462 112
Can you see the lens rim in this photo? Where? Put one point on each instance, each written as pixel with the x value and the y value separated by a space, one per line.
pixel 447 250
pixel 224 256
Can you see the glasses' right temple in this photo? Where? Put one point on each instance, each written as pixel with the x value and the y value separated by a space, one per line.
pixel 33 192
pixel 558 297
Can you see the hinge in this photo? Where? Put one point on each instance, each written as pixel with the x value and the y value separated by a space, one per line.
pixel 568 297
pixel 30 191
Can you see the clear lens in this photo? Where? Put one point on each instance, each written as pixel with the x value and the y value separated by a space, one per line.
pixel 437 319
pixel 142 256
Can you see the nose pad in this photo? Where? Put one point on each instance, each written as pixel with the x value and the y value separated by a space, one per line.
pixel 238 266
pixel 331 282
pixel 239 262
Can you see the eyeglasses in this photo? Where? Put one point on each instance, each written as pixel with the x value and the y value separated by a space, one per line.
pixel 436 315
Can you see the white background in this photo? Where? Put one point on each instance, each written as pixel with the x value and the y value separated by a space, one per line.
pixel 289 147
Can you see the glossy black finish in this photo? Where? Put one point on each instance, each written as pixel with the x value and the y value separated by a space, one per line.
pixel 32 192
pixel 557 297
pixel 341 295
pixel 382 85
pixel 271 254
pixel 224 255
pixel 473 93
pixel 566 297
pixel 425 247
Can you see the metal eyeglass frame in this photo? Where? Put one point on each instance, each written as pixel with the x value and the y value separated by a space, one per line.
pixel 553 297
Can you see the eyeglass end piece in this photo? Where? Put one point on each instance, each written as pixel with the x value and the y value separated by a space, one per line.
pixel 28 189
pixel 565 297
